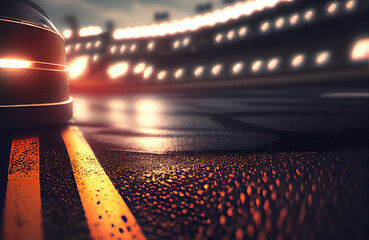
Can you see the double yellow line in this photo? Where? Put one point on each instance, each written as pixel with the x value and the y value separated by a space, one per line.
pixel 107 214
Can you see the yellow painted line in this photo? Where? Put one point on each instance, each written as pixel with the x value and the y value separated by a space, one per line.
pixel 22 218
pixel 106 212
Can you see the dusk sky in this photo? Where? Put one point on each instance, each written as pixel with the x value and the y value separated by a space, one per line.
pixel 123 13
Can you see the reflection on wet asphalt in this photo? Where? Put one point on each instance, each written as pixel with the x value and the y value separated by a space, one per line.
pixel 222 168
pixel 274 195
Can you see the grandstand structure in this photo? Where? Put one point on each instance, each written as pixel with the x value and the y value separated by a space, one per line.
pixel 255 42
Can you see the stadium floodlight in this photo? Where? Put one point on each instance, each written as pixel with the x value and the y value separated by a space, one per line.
pixel 90 31
pixel 67 33
pixel 322 58
pixel 360 50
pixel 162 75
pixel 217 69
pixel 113 49
pixel 148 72
pixel 230 35
pixel 139 68
pixel 77 67
pixel 118 70
pixel 77 47
pixel 332 8
pixel 294 19
pixel 198 71
pixel 179 73
pixel 309 14
pixel 273 64
pixel 218 38
pixel 297 60
pixel 242 31
pixel 186 41
pixel 123 48
pixel 279 22
pixel 176 44
pixel 95 58
pixel 151 46
pixel 190 24
pixel 88 45
pixel 256 65
pixel 350 5
pixel 264 27
pixel 237 67
pixel 133 48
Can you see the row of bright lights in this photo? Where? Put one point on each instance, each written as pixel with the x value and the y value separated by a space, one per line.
pixel 256 66
pixel 185 42
pixel 281 22
pixel 123 48
pixel 359 52
pixel 298 60
pixel 229 35
pixel 83 32
pixel 199 21
pixel 77 47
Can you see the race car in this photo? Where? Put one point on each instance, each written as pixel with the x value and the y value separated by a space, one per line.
pixel 34 84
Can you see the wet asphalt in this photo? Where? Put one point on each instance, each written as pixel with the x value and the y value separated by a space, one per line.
pixel 193 169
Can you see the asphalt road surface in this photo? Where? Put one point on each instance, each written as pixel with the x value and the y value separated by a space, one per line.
pixel 149 167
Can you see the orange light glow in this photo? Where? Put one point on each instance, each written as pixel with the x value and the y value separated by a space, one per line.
pixel 97 44
pixel 297 60
pixel 237 67
pixel 113 49
pixel 294 19
pixel 77 46
pixel 264 27
pixel 90 31
pixel 95 58
pixel 332 8
pixel 123 48
pixel 14 63
pixel 309 15
pixel 350 5
pixel 139 68
pixel 242 31
pixel 78 66
pixel 194 23
pixel 148 72
pixel 162 75
pixel 360 51
pixel 256 66
pixel 322 58
pixel 186 41
pixel 150 46
pixel 198 71
pixel 67 33
pixel 176 44
pixel 88 45
pixel 133 48
pixel 218 37
pixel 230 35
pixel 118 69
pixel 279 23
pixel 216 69
pixel 147 106
pixel 179 73
pixel 273 64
